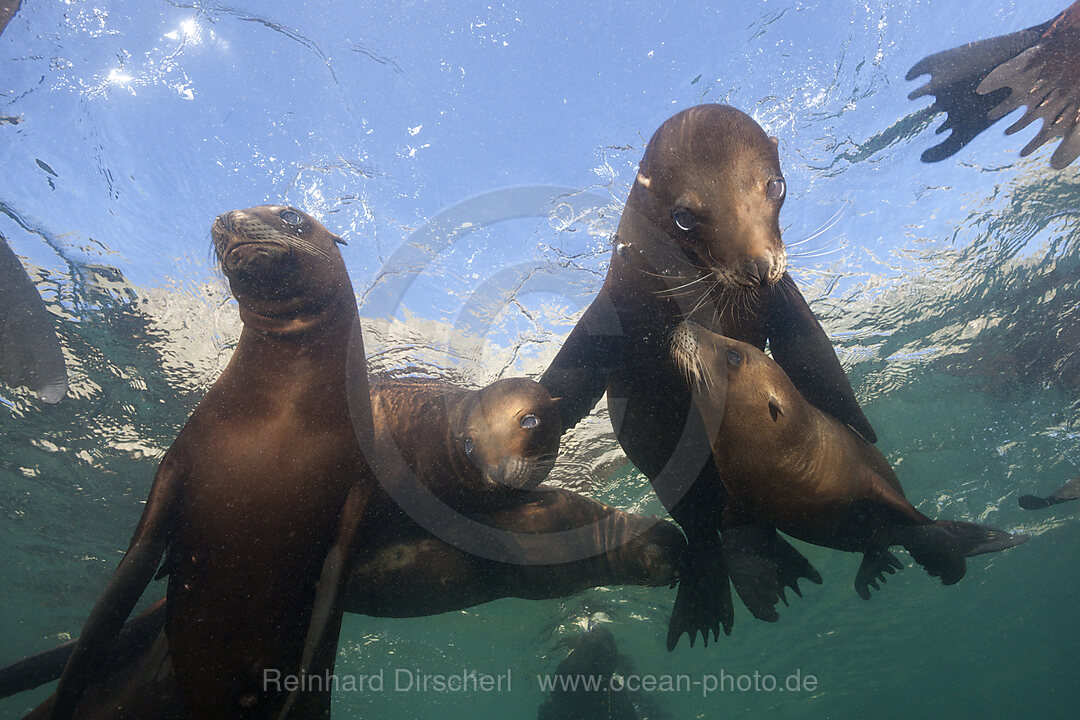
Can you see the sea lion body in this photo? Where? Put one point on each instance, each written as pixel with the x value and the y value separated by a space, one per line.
pixel 807 474
pixel 402 572
pixel 249 497
pixel 460 441
pixel 700 238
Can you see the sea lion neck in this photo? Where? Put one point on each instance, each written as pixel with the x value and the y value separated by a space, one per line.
pixel 305 322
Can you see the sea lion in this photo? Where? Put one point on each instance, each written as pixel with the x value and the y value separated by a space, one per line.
pixel 700 238
pixel 30 352
pixel 266 480
pixel 505 435
pixel 582 683
pixel 804 472
pixel 8 8
pixel 403 572
pixel 979 83
pixel 1065 493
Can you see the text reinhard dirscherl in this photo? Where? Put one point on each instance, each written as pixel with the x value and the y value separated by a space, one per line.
pixel 473 681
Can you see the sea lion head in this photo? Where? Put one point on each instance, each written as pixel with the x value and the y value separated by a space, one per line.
pixel 511 433
pixel 280 261
pixel 735 384
pixel 711 187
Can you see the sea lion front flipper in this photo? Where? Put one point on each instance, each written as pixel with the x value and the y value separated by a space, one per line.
pixel 980 539
pixel 801 347
pixel 335 571
pixel 703 601
pixel 1068 491
pixel 955 75
pixel 136 570
pixel 30 352
pixel 579 373
pixel 761 564
pixel 875 566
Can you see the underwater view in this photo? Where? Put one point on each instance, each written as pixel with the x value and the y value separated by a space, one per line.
pixel 402 262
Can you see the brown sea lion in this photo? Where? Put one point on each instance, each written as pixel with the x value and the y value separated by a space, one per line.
pixel 505 435
pixel 700 238
pixel 979 83
pixel 804 472
pixel 248 499
pixel 402 572
pixel 1065 493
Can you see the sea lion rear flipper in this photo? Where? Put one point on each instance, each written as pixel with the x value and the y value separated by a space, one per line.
pixel 873 569
pixel 133 641
pixel 703 602
pixel 328 595
pixel 1068 491
pixel 136 570
pixel 937 550
pixel 579 372
pixel 801 347
pixel 955 75
pixel 761 564
pixel 980 539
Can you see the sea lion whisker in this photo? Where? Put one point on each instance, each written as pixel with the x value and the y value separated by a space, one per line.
pixel 820 253
pixel 683 286
pixel 823 229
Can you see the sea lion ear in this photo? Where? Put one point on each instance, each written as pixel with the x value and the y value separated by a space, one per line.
pixel 643 179
pixel 558 402
pixel 339 241
pixel 775 408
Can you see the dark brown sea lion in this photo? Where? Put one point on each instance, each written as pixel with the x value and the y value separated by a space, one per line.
pixel 700 238
pixel 1065 493
pixel 807 474
pixel 505 435
pixel 403 572
pixel 30 353
pixel 979 83
pixel 248 498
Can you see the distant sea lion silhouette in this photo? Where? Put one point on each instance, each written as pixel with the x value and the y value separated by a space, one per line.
pixel 699 238
pixel 582 682
pixel 1065 493
pixel 265 482
pixel 979 83
pixel 804 472
pixel 402 572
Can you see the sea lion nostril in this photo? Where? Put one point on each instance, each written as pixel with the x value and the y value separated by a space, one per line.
pixel 758 269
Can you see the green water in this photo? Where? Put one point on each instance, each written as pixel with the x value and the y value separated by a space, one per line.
pixel 998 644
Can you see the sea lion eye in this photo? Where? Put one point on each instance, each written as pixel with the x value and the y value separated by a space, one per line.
pixel 733 358
pixel 291 217
pixel 468 446
pixel 776 188
pixel 530 421
pixel 684 219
